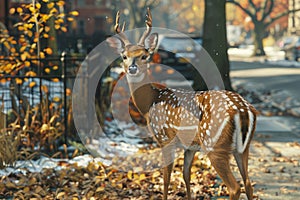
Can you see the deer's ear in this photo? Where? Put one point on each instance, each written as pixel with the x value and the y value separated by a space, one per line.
pixel 151 42
pixel 116 43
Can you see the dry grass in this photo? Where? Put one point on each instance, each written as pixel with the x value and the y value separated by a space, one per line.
pixel 39 130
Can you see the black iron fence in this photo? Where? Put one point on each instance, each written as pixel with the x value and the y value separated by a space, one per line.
pixel 48 80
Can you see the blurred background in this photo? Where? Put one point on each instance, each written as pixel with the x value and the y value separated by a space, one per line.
pixel 255 45
pixel 96 18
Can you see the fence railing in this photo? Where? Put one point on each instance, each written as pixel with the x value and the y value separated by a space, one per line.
pixel 52 80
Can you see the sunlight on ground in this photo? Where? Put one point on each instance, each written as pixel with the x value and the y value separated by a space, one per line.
pixel 264 72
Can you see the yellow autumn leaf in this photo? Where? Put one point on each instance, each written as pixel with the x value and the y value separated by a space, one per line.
pixel 47 70
pixel 136 177
pixel 44 128
pixel 55 67
pixel 26 189
pixel 156 174
pixel 13 42
pixel 21 28
pixel 45 17
pixel 32 9
pixel 57 26
pixel 19 10
pixel 33 46
pixel 59 21
pixel 27 64
pixel 55 80
pixel 30 26
pixel 64 29
pixel 142 177
pixel 12 11
pixel 42 55
pixel 23 56
pixel 68 92
pixel 45 35
pixel 74 13
pixel 48 50
pixel 2 80
pixel 19 81
pixel 47 28
pixel 70 19
pixel 38 5
pixel 60 3
pixel 9 66
pixel 130 174
pixel 60 195
pixel 100 189
pixel 46 1
pixel 22 39
pixel 6 44
pixel 44 88
pixel 22 49
pixel 32 84
pixel 50 5
pixel 29 33
pixel 13 50
pixel 53 11
pixel 30 73
pixel 56 99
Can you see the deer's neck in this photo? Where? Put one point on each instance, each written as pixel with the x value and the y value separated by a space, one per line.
pixel 143 92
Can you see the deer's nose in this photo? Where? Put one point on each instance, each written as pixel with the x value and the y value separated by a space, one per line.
pixel 133 69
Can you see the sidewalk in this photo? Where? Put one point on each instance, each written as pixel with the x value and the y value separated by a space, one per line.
pixel 274 159
pixel 275 150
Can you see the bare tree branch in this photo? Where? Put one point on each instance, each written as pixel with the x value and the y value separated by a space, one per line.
pixel 244 9
pixel 279 16
pixel 175 15
pixel 268 11
pixel 253 5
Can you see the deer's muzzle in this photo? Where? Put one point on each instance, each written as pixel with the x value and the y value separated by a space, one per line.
pixel 133 69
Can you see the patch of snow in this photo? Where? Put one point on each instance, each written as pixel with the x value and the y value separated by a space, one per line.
pixel 117 145
pixel 243 51
pixel 176 83
pixel 284 63
pixel 120 140
pixel 46 163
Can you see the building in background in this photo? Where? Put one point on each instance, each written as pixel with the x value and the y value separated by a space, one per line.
pixel 294 17
pixel 84 33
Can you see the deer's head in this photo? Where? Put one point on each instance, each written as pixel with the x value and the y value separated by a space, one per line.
pixel 135 57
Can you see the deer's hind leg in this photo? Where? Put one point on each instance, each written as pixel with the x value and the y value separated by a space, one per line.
pixel 242 162
pixel 188 161
pixel 220 161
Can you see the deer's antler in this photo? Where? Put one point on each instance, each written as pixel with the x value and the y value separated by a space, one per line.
pixel 121 31
pixel 148 30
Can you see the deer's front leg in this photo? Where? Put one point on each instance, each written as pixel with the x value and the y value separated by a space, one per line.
pixel 168 159
pixel 167 177
pixel 188 161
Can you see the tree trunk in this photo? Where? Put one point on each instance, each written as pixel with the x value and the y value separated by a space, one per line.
pixel 214 37
pixel 259 34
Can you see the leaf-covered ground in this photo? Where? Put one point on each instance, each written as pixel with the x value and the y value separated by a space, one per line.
pixel 96 181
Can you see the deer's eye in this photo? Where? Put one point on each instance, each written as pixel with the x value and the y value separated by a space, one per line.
pixel 124 57
pixel 144 57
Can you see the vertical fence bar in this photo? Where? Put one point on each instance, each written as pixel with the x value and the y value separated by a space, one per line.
pixel 64 79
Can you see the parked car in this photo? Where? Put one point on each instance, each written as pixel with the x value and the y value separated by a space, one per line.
pixel 291 48
pixel 173 58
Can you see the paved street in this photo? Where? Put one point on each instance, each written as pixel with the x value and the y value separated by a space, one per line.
pixel 275 151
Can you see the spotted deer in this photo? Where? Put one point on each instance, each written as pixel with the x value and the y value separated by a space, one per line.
pixel 220 123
